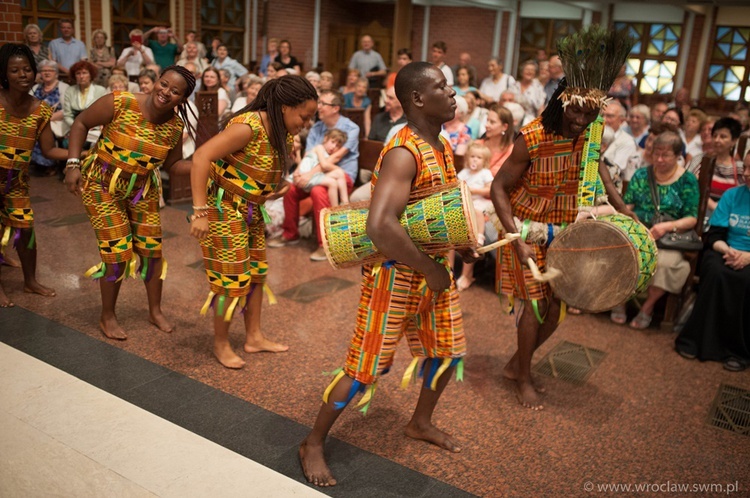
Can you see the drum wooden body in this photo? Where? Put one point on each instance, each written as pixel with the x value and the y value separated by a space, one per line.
pixel 604 262
pixel 440 219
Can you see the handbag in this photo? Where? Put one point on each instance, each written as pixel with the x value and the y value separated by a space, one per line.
pixel 677 241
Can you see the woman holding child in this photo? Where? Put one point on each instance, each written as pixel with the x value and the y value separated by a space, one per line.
pixel 233 174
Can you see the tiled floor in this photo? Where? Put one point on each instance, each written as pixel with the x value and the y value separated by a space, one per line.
pixel 640 416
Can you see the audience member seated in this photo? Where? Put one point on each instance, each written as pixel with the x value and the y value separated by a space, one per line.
pixel 275 70
pixel 543 75
pixel 136 56
pixel 717 329
pixel 66 50
pixel 166 47
pixel 555 74
pixel 727 171
pixel 693 125
pixel 707 144
pixel 146 81
pixel 392 116
pixel 622 88
pixel 102 56
pixel 658 109
pixel 511 97
pixel 192 37
pixel 368 62
pixel 286 59
pixel 272 50
pixel 224 77
pixel 681 101
pixel 252 87
pixel 192 54
pixel 478 178
pixel 120 71
pixel 623 148
pixel 678 198
pixel 211 82
pixel 326 81
pixel 644 157
pixel 314 78
pixel 457 133
pixel 329 114
pixel 464 61
pixel 499 136
pixel 519 114
pixel 477 115
pixel 529 88
pixel 117 83
pixel 437 56
pixel 403 57
pixel 496 83
pixel 81 95
pixel 352 77
pixel 358 99
pixel 639 119
pixel 51 90
pixel 223 61
pixel 462 85
pixel 317 168
pixel 34 39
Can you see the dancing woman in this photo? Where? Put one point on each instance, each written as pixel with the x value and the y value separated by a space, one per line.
pixel 24 120
pixel 246 163
pixel 120 191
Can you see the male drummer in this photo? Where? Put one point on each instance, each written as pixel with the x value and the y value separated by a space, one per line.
pixel 539 182
pixel 413 294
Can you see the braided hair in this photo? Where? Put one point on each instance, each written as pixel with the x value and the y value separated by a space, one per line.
pixel 290 91
pixel 7 52
pixel 183 109
pixel 552 116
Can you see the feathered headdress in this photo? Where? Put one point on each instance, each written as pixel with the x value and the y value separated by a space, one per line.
pixel 591 60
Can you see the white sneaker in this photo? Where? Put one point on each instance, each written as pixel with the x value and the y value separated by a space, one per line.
pixel 319 255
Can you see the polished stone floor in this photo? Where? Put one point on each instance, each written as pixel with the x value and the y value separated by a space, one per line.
pixel 636 413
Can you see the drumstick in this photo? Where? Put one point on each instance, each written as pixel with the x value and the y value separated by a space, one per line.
pixel 509 237
pixel 550 274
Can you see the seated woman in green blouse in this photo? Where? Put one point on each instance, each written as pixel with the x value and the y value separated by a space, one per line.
pixel 678 198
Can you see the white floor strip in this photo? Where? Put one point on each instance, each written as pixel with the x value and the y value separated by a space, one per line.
pixel 60 436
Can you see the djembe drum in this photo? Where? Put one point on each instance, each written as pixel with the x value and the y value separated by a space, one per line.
pixel 437 220
pixel 604 262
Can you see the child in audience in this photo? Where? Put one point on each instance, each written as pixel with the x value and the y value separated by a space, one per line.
pixel 334 179
pixel 478 177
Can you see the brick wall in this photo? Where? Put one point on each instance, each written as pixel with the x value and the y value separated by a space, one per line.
pixel 11 29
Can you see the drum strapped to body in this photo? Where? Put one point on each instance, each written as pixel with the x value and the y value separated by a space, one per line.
pixel 437 219
pixel 604 262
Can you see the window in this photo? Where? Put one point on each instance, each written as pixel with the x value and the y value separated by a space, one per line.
pixel 46 13
pixel 136 14
pixel 543 34
pixel 224 19
pixel 730 65
pixel 653 60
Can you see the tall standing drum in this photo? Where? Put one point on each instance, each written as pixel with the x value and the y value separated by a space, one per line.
pixel 604 262
pixel 438 219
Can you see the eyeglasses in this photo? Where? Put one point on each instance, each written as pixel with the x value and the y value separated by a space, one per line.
pixel 327 103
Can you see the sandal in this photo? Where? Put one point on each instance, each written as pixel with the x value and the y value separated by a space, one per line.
pixel 619 315
pixel 734 365
pixel 641 321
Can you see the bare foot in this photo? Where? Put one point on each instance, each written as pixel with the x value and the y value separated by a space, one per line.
pixel 112 329
pixel 160 322
pixel 527 396
pixel 253 346
pixel 11 261
pixel 464 283
pixel 5 301
pixel 510 373
pixel 314 465
pixel 433 435
pixel 35 287
pixel 226 356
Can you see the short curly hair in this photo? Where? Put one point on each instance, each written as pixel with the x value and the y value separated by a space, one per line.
pixel 83 65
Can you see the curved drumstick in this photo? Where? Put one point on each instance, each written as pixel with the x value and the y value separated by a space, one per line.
pixel 550 274
pixel 509 237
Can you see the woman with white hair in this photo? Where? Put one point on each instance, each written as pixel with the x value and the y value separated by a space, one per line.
pixel 51 90
pixel 530 88
pixel 32 35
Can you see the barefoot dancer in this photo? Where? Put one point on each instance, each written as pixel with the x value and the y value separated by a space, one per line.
pixel 414 296
pixel 539 182
pixel 120 190
pixel 23 120
pixel 246 163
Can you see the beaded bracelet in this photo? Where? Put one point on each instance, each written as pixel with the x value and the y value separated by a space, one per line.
pixel 201 208
pixel 72 166
pixel 72 160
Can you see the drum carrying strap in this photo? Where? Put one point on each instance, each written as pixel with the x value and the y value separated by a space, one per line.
pixel 590 184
